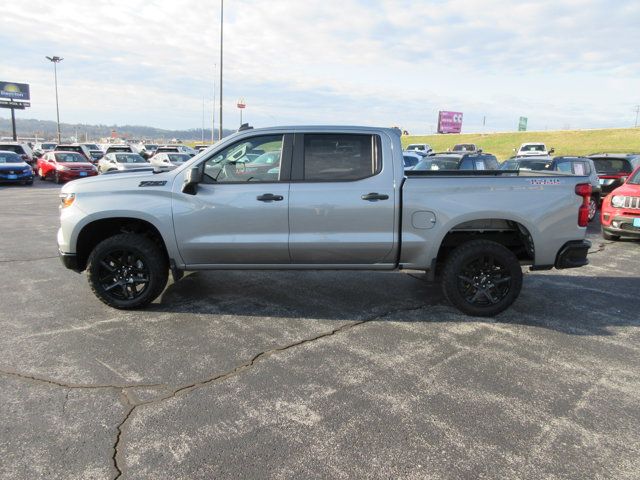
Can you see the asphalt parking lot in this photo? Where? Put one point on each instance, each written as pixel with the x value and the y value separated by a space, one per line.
pixel 312 375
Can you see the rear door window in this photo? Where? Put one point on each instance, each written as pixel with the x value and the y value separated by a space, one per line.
pixel 339 157
pixel 612 165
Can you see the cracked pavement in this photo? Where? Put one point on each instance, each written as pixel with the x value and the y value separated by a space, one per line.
pixel 312 374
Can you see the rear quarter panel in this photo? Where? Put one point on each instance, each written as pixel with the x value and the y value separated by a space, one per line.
pixel 546 206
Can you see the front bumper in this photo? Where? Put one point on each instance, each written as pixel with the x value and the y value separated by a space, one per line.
pixel 573 254
pixel 67 176
pixel 69 260
pixel 19 177
pixel 622 225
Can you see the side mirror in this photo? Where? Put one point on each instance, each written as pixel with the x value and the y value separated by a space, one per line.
pixel 191 181
pixel 552 150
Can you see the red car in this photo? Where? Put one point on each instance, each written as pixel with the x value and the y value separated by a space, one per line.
pixel 620 215
pixel 64 166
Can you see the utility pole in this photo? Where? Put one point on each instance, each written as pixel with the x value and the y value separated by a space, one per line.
pixel 637 110
pixel 55 61
pixel 221 38
pixel 213 110
pixel 202 131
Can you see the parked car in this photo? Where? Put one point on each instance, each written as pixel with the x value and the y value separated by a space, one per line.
pixel 121 161
pixel 411 159
pixel 345 202
pixel 41 148
pixel 75 147
pixel 13 169
pixel 538 163
pixel 22 149
pixel 95 151
pixel 581 166
pixel 533 149
pixel 620 215
pixel 63 166
pixel 168 160
pixel 118 147
pixel 614 168
pixel 458 161
pixel 465 147
pixel 419 147
pixel 176 149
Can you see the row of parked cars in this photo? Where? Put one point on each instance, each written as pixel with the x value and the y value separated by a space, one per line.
pixel 614 177
pixel 63 162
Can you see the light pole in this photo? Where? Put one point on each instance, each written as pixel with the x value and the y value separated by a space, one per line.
pixel 55 61
pixel 221 26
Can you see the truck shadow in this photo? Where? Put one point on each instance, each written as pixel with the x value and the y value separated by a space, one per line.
pixel 577 305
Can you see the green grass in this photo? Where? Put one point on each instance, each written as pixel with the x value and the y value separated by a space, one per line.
pixel 568 142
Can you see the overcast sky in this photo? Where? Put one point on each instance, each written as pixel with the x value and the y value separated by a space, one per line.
pixel 561 63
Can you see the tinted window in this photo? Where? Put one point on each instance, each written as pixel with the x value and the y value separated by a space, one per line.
pixel 438 163
pixel 534 164
pixel 410 161
pixel 237 163
pixel 564 167
pixel 491 162
pixel 339 157
pixel 467 164
pixel 612 165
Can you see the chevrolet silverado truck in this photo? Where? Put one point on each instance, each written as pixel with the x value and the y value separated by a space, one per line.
pixel 321 198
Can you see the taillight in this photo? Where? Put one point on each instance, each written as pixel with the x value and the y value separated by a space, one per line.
pixel 584 190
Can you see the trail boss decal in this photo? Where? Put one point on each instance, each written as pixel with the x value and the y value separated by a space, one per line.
pixel 545 181
pixel 153 183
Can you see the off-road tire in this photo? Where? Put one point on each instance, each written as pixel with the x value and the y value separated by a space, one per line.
pixel 139 246
pixel 506 272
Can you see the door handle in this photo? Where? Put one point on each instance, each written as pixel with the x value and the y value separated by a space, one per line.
pixel 374 196
pixel 269 197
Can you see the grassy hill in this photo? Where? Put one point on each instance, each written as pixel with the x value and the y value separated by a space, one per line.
pixel 567 142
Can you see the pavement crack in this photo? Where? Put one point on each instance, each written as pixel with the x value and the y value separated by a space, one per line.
pixel 79 386
pixel 116 444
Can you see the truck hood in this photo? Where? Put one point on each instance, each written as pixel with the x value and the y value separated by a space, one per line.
pixel 628 190
pixel 124 180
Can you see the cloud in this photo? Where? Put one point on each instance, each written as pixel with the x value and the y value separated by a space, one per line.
pixel 351 61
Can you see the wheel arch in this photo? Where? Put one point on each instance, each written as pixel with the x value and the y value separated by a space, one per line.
pixel 98 230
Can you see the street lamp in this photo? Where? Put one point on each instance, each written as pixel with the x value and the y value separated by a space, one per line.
pixel 55 61
pixel 221 37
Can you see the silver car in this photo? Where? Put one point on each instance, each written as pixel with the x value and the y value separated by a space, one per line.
pixel 121 161
pixel 169 160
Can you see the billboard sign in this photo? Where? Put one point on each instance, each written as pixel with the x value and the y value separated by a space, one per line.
pixel 449 122
pixel 522 124
pixel 14 91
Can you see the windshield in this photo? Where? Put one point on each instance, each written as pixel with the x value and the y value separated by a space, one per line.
pixel 13 148
pixel 635 178
pixel 129 158
pixel 612 165
pixel 48 146
pixel 534 164
pixel 178 157
pixel 8 157
pixel 438 163
pixel 150 146
pixel 70 157
pixel 536 147
pixel 416 147
pixel 119 149
pixel 92 146
pixel 464 148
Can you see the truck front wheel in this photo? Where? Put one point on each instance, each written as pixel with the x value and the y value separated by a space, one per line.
pixel 127 271
pixel 482 278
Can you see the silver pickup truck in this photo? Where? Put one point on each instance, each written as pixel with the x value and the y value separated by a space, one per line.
pixel 331 198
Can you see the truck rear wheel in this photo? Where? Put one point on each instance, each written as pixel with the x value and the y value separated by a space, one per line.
pixel 482 278
pixel 127 271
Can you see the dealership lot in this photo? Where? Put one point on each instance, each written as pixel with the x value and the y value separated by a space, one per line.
pixel 311 374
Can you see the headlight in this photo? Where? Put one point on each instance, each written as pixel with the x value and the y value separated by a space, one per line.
pixel 617 201
pixel 67 199
pixel 62 167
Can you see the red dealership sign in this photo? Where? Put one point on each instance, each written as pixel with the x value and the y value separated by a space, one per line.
pixel 449 122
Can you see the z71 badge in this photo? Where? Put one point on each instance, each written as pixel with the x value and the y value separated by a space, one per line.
pixel 153 183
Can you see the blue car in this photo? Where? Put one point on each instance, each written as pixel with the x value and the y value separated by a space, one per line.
pixel 14 169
